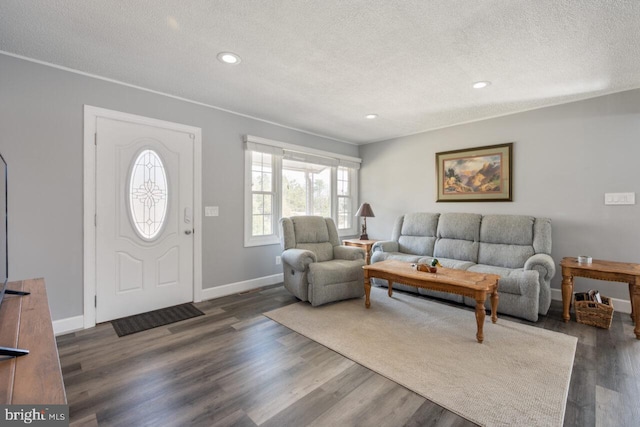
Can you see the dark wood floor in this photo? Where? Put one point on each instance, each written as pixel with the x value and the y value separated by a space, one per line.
pixel 234 366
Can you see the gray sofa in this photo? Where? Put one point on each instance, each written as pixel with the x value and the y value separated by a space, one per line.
pixel 516 247
pixel 316 267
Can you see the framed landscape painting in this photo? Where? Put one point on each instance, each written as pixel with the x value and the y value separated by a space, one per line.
pixel 480 174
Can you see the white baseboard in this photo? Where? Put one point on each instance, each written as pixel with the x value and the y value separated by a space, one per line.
pixel 247 285
pixel 621 305
pixel 70 324
pixel 76 323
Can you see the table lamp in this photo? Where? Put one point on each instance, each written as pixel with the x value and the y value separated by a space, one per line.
pixel 365 211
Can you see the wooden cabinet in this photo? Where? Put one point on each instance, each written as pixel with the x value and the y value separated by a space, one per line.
pixel 364 244
pixel 25 322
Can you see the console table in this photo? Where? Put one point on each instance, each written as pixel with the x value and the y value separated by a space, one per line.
pixel 35 378
pixel 602 270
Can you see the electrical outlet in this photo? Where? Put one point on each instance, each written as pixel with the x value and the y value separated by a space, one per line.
pixel 620 198
pixel 211 211
pixel 278 260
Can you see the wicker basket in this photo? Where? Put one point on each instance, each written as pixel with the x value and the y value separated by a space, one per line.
pixel 595 314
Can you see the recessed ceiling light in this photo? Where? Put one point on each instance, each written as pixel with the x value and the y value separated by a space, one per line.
pixel 229 58
pixel 480 85
pixel 371 116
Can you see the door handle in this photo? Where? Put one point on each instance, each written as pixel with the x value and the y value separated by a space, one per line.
pixel 187 232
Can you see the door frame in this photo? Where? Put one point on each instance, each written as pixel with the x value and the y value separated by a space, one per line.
pixel 91 115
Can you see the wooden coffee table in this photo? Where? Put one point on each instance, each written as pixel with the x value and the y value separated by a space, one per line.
pixel 625 272
pixel 473 285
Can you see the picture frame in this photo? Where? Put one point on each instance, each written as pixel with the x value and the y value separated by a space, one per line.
pixel 480 174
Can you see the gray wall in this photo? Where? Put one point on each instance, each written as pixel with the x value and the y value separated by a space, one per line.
pixel 41 125
pixel 565 158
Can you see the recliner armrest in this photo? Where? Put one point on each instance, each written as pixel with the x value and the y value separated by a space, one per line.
pixel 543 263
pixel 299 259
pixel 385 246
pixel 349 253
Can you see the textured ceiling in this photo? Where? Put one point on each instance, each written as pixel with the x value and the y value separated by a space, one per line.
pixel 320 66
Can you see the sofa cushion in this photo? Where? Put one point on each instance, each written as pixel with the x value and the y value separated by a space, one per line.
pixel 459 226
pixel 458 235
pixel 418 245
pixel 418 233
pixel 312 233
pixel 382 256
pixel 507 229
pixel 490 269
pixel 462 250
pixel 509 256
pixel 506 240
pixel 310 229
pixel 420 224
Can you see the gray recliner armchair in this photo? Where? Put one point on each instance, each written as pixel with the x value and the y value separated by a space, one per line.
pixel 316 267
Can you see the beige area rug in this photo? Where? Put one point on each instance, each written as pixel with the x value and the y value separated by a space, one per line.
pixel 518 376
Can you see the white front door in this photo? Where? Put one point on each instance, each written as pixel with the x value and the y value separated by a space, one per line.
pixel 144 218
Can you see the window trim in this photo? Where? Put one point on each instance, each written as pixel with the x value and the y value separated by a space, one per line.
pixel 278 149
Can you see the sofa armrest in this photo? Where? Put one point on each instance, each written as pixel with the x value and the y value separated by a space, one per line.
pixel 299 259
pixel 349 253
pixel 385 246
pixel 543 263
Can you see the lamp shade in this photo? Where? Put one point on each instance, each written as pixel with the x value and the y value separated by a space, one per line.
pixel 365 211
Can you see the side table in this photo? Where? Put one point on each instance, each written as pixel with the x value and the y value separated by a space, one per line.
pixel 602 270
pixel 364 244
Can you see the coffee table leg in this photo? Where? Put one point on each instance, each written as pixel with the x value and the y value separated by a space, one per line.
pixel 367 289
pixel 567 291
pixel 480 314
pixel 494 305
pixel 390 286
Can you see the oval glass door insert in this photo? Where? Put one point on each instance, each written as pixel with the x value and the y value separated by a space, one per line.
pixel 148 194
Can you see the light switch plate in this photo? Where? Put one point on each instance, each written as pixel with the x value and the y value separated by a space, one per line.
pixel 211 211
pixel 620 198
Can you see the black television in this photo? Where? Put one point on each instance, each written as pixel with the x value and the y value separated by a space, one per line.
pixel 4 255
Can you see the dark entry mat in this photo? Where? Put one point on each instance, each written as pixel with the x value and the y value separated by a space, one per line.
pixel 153 319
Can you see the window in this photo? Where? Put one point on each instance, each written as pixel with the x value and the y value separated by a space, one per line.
pixel 261 205
pixel 345 201
pixel 262 194
pixel 306 189
pixel 287 180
